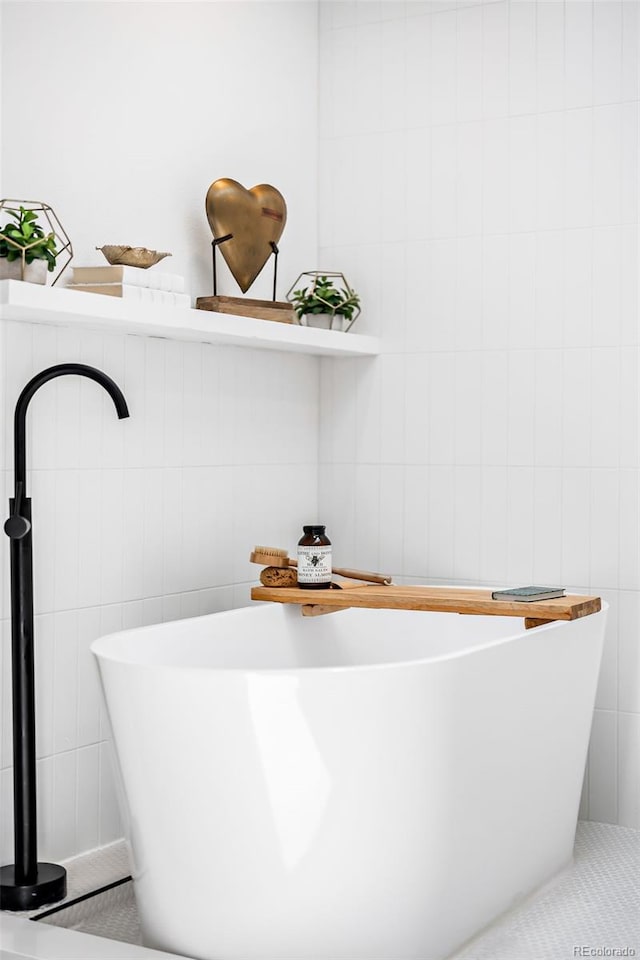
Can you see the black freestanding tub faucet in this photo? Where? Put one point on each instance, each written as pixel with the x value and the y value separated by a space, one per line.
pixel 27 884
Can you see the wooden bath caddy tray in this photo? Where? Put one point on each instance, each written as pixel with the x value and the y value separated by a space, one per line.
pixel 442 599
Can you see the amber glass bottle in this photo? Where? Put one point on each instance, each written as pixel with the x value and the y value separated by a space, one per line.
pixel 314 559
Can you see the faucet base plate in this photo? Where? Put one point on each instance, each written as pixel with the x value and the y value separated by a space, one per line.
pixel 49 887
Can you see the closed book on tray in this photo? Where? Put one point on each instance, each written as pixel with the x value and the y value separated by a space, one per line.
pixel 134 276
pixel 528 594
pixel 134 294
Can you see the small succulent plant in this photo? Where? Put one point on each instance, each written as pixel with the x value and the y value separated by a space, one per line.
pixel 323 297
pixel 26 237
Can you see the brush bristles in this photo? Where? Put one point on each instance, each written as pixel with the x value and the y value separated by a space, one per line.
pixel 270 557
pixel 272 551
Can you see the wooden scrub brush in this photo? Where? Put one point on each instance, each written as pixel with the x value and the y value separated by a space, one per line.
pixel 278 561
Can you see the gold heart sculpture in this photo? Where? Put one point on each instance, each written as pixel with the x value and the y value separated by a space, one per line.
pixel 254 217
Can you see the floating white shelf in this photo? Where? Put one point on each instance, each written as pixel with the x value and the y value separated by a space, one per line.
pixel 31 303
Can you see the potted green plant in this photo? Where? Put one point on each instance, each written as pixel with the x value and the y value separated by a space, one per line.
pixel 26 251
pixel 323 304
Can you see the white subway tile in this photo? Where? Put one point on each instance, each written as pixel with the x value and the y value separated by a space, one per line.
pixel 578 162
pixel 577 277
pixel 550 31
pixel 629 650
pixel 468 320
pixel 630 80
pixel 629 408
pixel 6 820
pixel 469 179
pixel 522 57
pixel 87 798
pixel 367 516
pixel 6 739
pixel 607 164
pixel 578 46
pixel 417 198
pixel 93 402
pixel 154 403
pixel 444 149
pixel 629 572
pixel 43 493
pixel 441 386
pixel 629 770
pixel 549 388
pixel 521 408
pixel 603 792
pixel 440 522
pixel 110 819
pixel 63 836
pixel 495 176
pixel 44 800
pixel 395 161
pixel 629 176
pixel 576 532
pixel 607 286
pixel 495 292
pixel 522 291
pixel 441 296
pixel 522 173
pixel 469 64
pixel 417 71
pixel 547 525
pixel 494 520
pixel 629 325
pixel 368 398
pixel 67 405
pixel 113 432
pixel 550 273
pixel 393 296
pixel 443 67
pixel 391 533
pixel 44 658
pixel 550 171
pixel 133 387
pixel 111 536
pixel 345 431
pixel 394 67
pixel 607 51
pixel 392 409
pixel 467 409
pixel 605 531
pixel 495 60
pixel 154 538
pixel 88 543
pixel 89 692
pixel 416 425
pixel 605 407
pixel 494 407
pixel 67 536
pixel 65 681
pixel 368 78
pixel 520 525
pixel 607 691
pixel 467 532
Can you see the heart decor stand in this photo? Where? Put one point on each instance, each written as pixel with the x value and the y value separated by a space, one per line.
pixel 278 310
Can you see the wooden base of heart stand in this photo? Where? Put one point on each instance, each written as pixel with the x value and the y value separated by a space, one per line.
pixel 278 310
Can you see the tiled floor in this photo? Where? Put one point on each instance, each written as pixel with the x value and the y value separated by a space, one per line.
pixel 593 908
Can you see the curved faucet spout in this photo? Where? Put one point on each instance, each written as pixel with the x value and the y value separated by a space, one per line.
pixel 27 884
pixel 59 370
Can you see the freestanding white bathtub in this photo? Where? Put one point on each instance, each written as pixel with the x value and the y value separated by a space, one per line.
pixel 369 785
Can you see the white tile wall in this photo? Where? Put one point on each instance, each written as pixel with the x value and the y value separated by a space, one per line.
pixel 136 522
pixel 499 432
